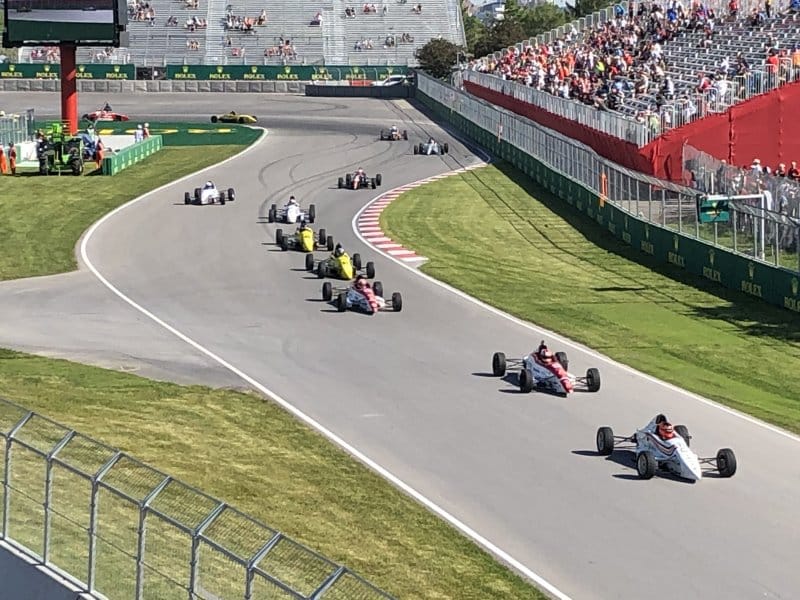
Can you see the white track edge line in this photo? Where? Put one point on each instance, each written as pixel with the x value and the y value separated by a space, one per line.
pixel 564 340
pixel 382 471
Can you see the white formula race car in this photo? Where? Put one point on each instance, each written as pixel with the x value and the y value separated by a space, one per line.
pixel 660 446
pixel 291 213
pixel 547 376
pixel 431 147
pixel 209 194
pixel 367 299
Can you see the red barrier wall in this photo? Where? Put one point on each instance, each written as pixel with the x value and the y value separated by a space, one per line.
pixel 614 149
pixel 765 127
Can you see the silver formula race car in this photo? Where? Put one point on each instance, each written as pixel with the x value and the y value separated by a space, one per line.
pixel 209 194
pixel 659 446
pixel 291 212
pixel 367 299
pixel 547 372
pixel 431 147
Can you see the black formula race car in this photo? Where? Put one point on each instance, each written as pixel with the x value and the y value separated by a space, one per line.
pixel 354 181
pixel 389 135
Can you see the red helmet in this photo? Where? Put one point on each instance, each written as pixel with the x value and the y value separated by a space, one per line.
pixel 666 430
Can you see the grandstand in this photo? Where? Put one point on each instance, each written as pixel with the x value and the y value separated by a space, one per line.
pixel 729 51
pixel 251 32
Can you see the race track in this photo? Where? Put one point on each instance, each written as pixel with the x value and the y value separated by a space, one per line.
pixel 409 389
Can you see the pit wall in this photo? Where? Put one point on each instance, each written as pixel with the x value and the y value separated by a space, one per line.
pixel 774 285
pixel 164 85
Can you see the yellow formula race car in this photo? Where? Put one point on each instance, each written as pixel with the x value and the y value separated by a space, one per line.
pixel 303 240
pixel 232 117
pixel 339 265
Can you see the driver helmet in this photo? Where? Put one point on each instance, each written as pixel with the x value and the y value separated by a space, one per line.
pixel 545 355
pixel 303 224
pixel 292 200
pixel 430 140
pixel 360 282
pixel 339 250
pixel 209 185
pixel 666 430
pixel 360 170
pixel 394 127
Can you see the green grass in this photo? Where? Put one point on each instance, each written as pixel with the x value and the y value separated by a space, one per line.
pixel 496 235
pixel 42 218
pixel 255 456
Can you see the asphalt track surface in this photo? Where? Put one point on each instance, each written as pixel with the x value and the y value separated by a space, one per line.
pixel 410 390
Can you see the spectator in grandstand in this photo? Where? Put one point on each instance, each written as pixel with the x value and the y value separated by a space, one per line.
pixel 780 170
pixel 317 20
pixel 262 18
pixel 794 172
pixel 172 21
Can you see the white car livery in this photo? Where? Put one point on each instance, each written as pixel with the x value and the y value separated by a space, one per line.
pixel 369 300
pixel 670 453
pixel 291 212
pixel 552 377
pixel 431 147
pixel 209 194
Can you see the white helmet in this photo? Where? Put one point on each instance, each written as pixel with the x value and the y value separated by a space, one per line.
pixel 209 185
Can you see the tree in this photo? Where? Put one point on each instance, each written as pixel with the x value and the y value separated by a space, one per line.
pixel 542 18
pixel 438 57
pixel 587 7
pixel 474 30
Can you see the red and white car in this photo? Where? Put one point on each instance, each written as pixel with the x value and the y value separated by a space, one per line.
pixel 362 297
pixel 105 115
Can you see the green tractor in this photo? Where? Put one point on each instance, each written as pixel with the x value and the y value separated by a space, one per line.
pixel 58 152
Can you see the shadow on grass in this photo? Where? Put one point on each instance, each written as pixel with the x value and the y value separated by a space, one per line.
pixel 750 316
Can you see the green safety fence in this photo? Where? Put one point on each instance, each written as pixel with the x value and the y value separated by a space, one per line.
pixel 773 284
pixel 131 155
pixel 209 72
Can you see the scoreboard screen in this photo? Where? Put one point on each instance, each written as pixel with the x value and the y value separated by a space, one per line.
pixel 83 22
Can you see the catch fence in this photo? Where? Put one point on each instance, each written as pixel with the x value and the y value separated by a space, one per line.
pixel 680 208
pixel 18 128
pixel 124 530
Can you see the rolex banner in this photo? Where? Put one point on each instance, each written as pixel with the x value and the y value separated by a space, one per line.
pixel 48 71
pixel 280 73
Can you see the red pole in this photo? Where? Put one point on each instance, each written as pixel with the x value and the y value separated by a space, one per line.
pixel 69 88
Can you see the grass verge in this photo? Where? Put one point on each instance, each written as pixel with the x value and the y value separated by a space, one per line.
pixel 495 234
pixel 42 218
pixel 255 456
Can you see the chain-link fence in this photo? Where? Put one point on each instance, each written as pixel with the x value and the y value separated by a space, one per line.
pixel 128 531
pixel 663 203
pixel 15 129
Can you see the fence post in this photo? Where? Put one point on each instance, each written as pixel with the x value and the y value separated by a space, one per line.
pixel 48 484
pixel 142 532
pixel 195 559
pixel 91 571
pixel 7 470
pixel 248 592
pixel 328 583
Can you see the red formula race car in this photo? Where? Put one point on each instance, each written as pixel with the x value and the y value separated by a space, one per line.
pixel 105 114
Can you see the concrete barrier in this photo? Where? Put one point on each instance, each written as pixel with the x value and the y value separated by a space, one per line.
pixel 359 91
pixel 163 85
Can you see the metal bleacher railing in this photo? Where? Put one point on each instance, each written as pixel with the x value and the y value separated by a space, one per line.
pixel 754 230
pixel 17 128
pixel 121 529
pixel 690 106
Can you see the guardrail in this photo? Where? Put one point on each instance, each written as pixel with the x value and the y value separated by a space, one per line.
pixel 131 155
pixel 15 129
pixel 670 222
pixel 120 528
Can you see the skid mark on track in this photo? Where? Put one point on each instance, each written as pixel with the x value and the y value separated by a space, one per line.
pixel 368 219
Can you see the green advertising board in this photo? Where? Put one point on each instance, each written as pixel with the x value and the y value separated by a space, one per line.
pixel 48 71
pixel 131 155
pixel 280 73
pixel 773 284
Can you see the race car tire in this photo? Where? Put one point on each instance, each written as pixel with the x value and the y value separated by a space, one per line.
pixel 379 179
pixel 377 287
pixel 561 357
pixel 214 119
pixel 421 149
pixel 322 236
pixel 310 262
pixel 383 137
pixel 231 195
pixel 348 179
pixel 357 261
pixel 222 198
pixel 525 381
pixel 683 431
pixel 76 165
pixel 322 270
pixel 370 270
pixel 416 150
pixel 197 193
pixel 646 464
pixel 327 291
pixel 446 148
pixel 593 379
pixel 498 364
pixel 405 135
pixel 397 302
pixel 605 441
pixel 187 198
pixel 312 213
pixel 373 183
pixel 271 215
pixel 726 462
pixel 341 183
pixel 341 302
pixel 284 243
pixel 278 236
pixel 330 243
